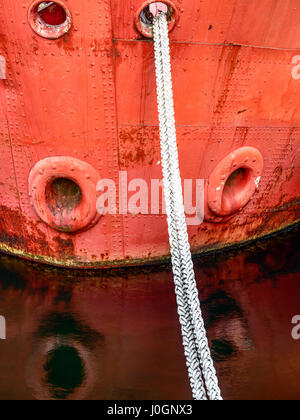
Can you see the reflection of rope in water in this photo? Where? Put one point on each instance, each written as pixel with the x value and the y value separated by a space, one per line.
pixel 37 377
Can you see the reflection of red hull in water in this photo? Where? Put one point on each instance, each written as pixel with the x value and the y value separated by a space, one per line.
pixel 121 331
pixel 89 95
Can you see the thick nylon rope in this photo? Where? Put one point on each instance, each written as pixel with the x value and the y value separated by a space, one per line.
pixel 203 378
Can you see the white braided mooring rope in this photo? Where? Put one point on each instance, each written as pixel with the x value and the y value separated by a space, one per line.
pixel 203 378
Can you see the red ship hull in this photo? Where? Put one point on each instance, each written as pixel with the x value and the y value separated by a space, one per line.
pixel 78 103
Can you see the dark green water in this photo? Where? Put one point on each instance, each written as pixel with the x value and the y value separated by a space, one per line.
pixel 77 335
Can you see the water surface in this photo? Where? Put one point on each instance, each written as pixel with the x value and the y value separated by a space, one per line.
pixel 115 335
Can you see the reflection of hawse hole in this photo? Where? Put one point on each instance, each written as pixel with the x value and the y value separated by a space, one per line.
pixel 223 350
pixel 60 368
pixel 62 365
pixel 227 325
pixel 64 371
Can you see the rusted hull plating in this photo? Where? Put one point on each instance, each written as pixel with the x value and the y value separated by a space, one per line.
pixel 90 95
